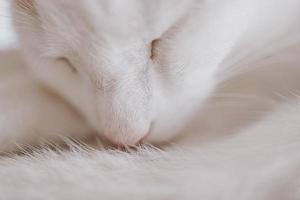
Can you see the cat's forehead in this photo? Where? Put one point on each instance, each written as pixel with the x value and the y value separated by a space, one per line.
pixel 120 17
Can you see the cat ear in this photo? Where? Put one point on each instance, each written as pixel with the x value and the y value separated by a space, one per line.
pixel 28 6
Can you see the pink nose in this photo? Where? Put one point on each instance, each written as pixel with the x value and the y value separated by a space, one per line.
pixel 127 139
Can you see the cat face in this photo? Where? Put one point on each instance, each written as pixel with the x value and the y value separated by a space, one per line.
pixel 120 63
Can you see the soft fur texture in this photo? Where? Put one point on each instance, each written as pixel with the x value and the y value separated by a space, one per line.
pixel 249 166
pixel 129 67
pixel 243 142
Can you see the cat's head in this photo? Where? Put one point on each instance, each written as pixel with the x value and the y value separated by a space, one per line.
pixel 118 62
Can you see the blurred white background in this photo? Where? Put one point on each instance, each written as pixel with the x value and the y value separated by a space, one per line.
pixel 7 38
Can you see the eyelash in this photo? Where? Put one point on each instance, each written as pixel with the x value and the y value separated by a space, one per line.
pixel 68 63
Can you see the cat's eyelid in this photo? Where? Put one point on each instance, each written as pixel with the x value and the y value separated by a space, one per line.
pixel 152 48
pixel 67 62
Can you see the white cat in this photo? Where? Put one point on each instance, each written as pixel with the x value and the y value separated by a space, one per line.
pixel 140 70
pixel 128 75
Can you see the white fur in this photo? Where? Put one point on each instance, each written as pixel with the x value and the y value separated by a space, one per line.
pixel 258 160
pixel 122 92
pixel 249 166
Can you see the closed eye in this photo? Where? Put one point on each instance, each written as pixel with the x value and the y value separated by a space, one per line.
pixel 68 64
pixel 153 49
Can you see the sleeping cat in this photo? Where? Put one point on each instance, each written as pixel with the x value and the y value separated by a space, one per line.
pixel 139 70
pixel 128 75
